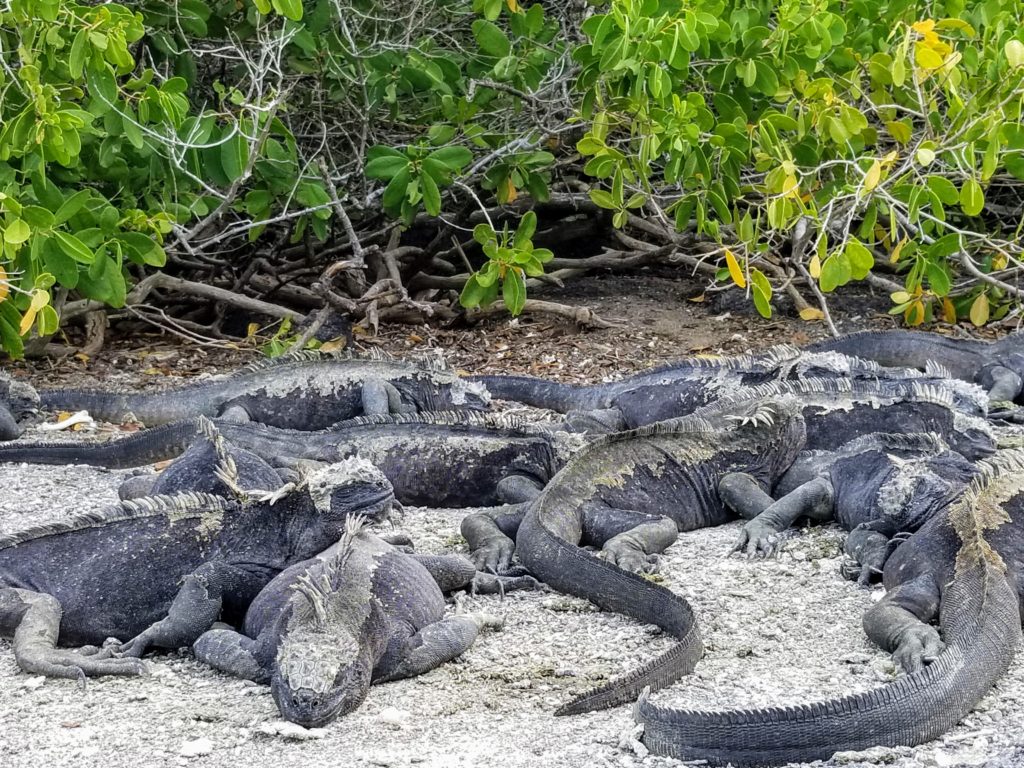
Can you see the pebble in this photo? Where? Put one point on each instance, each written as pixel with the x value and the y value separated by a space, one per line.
pixel 292 731
pixel 394 718
pixel 196 747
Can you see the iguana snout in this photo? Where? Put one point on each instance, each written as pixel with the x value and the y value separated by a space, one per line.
pixel 350 487
pixel 317 683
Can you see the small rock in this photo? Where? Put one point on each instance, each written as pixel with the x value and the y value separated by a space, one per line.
pixel 292 731
pixel 196 747
pixel 393 718
pixel 33 682
pixel 882 755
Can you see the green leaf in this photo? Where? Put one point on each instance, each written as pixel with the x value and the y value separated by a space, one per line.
pixel 761 291
pixel 527 226
pixel 455 158
pixel 834 272
pixel 103 87
pixel 491 39
pixel 74 247
pixel 944 189
pixel 603 199
pixel 234 156
pixel 395 191
pixel 17 232
pixel 938 279
pixel 431 194
pixel 513 291
pixel 972 200
pixel 482 233
pixel 71 206
pixel 62 266
pixel 860 259
pixel 386 167
pixel 37 217
pixel 76 59
pixel 291 9
pixel 472 293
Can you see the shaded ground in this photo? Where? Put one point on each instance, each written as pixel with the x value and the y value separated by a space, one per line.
pixel 777 632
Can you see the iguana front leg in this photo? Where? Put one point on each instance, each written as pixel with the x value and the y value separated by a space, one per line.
pixel 454 572
pixel 232 653
pixel 381 397
pixel 517 489
pixel 491 536
pixel 742 494
pixel 437 643
pixel 34 620
pixel 814 499
pixel 195 608
pixel 900 623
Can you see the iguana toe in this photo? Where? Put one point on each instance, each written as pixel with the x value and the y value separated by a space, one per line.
pixel 918 646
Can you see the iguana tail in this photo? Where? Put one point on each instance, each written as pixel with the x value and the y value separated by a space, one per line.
pixel 981 621
pixel 570 569
pixel 151 408
pixel 910 349
pixel 144 447
pixel 539 393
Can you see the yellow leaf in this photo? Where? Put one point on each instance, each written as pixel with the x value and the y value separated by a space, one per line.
pixel 5 286
pixel 999 261
pixel 251 329
pixel 513 6
pixel 914 314
pixel 334 345
pixel 1014 50
pixel 899 297
pixel 897 251
pixel 925 156
pixel 924 26
pixel 948 310
pixel 811 313
pixel 814 267
pixel 508 191
pixel 40 299
pixel 926 57
pixel 890 158
pixel 979 310
pixel 873 176
pixel 790 186
pixel 735 272
pixel 696 299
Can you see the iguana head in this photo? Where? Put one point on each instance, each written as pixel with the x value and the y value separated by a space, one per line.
pixel 19 402
pixel 338 491
pixel 320 675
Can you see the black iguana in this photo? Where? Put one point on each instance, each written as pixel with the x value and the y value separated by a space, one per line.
pixel 680 388
pixel 161 570
pixel 997 366
pixel 361 612
pixel 302 390
pixel 963 568
pixel 444 459
pixel 629 495
pixel 877 486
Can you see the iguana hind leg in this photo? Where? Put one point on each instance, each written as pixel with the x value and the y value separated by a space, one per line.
pixel 439 642
pixel 491 536
pixel 34 620
pixel 381 397
pixel 628 539
pixel 517 489
pixel 900 623
pixel 230 652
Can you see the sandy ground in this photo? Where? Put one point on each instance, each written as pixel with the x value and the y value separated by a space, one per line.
pixel 780 631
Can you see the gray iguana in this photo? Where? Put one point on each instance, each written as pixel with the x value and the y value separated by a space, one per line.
pixel 881 487
pixel 964 569
pixel 19 403
pixel 630 494
pixel 680 388
pixel 161 570
pixel 997 366
pixel 360 612
pixel 444 459
pixel 302 390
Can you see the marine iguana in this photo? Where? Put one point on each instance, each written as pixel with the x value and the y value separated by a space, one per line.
pixel 360 612
pixel 680 388
pixel 302 390
pixel 997 366
pixel 877 486
pixel 630 494
pixel 443 459
pixel 965 568
pixel 162 569
pixel 19 403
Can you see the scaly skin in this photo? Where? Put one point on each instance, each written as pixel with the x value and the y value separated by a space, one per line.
pixel 449 459
pixel 630 494
pixel 300 391
pixel 163 569
pixel 960 568
pixel 359 613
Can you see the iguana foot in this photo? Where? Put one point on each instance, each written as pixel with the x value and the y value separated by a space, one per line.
pixel 918 645
pixel 486 620
pixel 73 665
pixel 489 584
pixel 758 539
pixel 628 556
pixel 493 554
